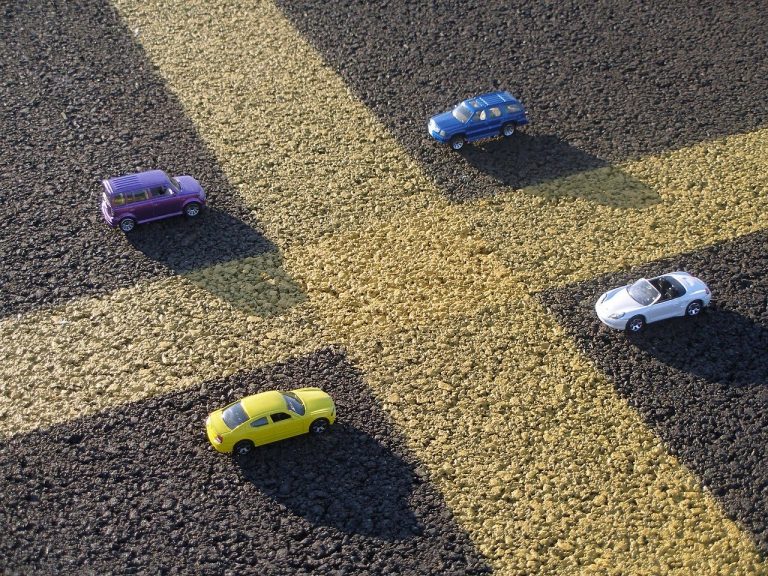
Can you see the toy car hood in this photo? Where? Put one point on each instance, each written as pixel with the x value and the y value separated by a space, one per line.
pixel 446 121
pixel 189 185
pixel 314 399
pixel 617 301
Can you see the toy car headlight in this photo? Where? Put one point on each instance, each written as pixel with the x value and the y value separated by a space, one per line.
pixel 442 133
pixel 616 315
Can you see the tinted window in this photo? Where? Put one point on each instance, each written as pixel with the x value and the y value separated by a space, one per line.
pixel 495 112
pixel 136 196
pixel 158 191
pixel 118 200
pixel 294 403
pixel 280 416
pixel 234 416
pixel 259 422
pixel 462 113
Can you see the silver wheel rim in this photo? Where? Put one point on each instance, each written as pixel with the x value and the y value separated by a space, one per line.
pixel 243 450
pixel 509 130
pixel 457 144
pixel 126 225
pixel 319 428
pixel 694 309
pixel 636 325
pixel 193 210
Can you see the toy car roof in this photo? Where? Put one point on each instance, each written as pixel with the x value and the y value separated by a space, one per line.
pixel 147 179
pixel 271 401
pixel 490 99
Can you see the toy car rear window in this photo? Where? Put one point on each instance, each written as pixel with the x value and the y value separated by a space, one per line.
pixel 234 416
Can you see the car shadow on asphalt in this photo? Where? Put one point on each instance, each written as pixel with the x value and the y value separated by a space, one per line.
pixel 701 384
pixel 184 244
pixel 223 255
pixel 345 479
pixel 720 346
pixel 545 165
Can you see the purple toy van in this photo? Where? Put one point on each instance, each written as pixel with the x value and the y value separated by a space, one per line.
pixel 147 196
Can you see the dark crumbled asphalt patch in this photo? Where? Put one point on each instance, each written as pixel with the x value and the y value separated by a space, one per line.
pixel 81 102
pixel 138 489
pixel 603 82
pixel 701 383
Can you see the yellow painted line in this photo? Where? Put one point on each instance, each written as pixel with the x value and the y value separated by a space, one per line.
pixel 548 470
pixel 157 337
pixel 572 229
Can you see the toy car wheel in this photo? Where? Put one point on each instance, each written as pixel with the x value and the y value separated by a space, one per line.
pixel 508 129
pixel 319 426
pixel 127 224
pixel 192 209
pixel 242 449
pixel 635 324
pixel 457 142
pixel 694 308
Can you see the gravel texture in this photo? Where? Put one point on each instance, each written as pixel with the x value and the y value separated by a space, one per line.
pixel 544 466
pixel 699 384
pixel 602 82
pixel 138 489
pixel 81 102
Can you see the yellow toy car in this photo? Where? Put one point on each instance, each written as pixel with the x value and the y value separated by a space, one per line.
pixel 268 417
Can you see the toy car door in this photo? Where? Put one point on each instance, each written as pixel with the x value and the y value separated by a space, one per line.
pixel 494 120
pixel 166 201
pixel 139 204
pixel 283 425
pixel 477 127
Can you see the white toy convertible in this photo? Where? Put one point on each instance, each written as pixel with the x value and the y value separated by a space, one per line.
pixel 631 307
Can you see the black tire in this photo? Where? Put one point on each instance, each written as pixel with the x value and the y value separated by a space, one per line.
pixel 694 308
pixel 127 224
pixel 458 141
pixel 242 449
pixel 192 210
pixel 635 325
pixel 319 426
pixel 508 130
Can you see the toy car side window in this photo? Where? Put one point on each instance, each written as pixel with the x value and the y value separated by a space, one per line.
pixel 158 191
pixel 280 416
pixel 118 200
pixel 137 196
pixel 259 422
pixel 479 116
pixel 513 108
pixel 494 112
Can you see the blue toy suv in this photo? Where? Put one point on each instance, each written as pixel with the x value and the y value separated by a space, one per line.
pixel 485 116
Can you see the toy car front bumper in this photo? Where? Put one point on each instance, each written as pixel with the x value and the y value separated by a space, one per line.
pixel 616 324
pixel 436 135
